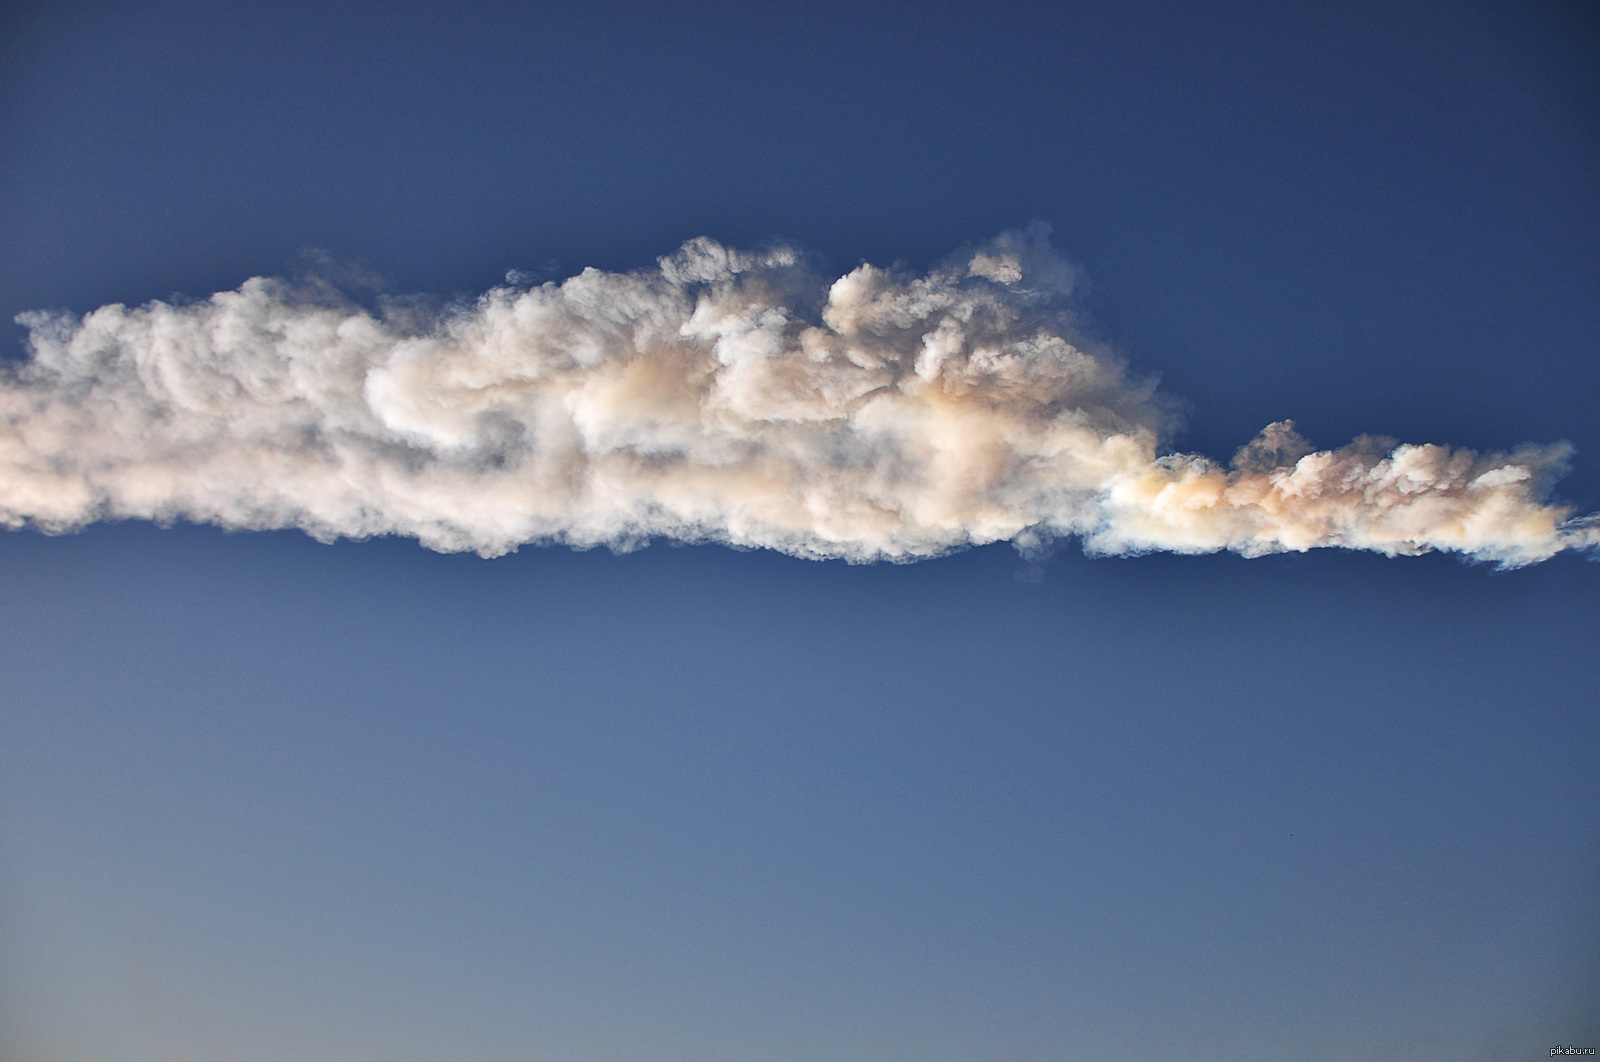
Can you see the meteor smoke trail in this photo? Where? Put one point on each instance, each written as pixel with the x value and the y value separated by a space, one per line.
pixel 723 396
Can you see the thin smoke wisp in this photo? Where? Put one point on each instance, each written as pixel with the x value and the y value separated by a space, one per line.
pixel 722 396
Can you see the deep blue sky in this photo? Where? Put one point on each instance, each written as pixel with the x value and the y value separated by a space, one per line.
pixel 269 799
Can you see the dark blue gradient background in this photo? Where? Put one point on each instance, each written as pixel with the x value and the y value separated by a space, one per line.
pixel 266 799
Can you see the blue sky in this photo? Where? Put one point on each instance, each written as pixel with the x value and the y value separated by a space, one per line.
pixel 267 798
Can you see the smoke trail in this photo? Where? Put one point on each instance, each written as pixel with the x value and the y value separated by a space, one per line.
pixel 723 396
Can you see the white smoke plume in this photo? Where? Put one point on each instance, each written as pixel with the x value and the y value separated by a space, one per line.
pixel 723 396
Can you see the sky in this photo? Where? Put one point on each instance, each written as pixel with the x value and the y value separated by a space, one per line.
pixel 874 694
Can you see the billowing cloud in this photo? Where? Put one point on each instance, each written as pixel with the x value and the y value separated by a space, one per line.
pixel 722 396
